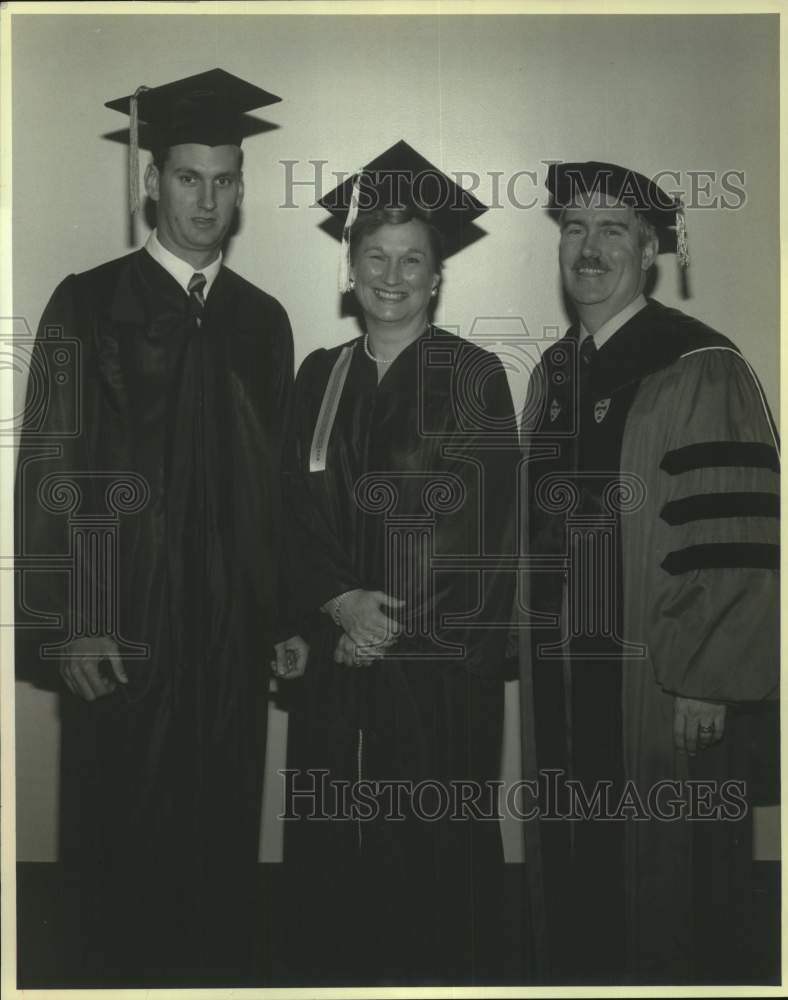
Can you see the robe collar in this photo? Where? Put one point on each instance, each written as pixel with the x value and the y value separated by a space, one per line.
pixel 403 367
pixel 614 324
pixel 180 269
pixel 145 293
pixel 653 339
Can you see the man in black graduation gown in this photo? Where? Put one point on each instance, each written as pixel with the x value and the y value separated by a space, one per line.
pixel 652 657
pixel 172 615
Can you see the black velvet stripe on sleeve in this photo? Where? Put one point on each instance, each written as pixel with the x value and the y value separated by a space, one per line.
pixel 704 506
pixel 722 555
pixel 745 454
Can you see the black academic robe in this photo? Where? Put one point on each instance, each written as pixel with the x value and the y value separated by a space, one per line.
pixel 170 434
pixel 420 467
pixel 652 540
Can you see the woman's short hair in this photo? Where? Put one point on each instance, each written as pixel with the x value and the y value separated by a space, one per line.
pixel 368 222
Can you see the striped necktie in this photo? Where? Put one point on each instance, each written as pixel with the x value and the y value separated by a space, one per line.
pixel 197 283
pixel 587 351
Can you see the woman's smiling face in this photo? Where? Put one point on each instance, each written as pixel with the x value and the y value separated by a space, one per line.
pixel 394 272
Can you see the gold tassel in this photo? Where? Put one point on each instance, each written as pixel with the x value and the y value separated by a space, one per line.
pixel 682 247
pixel 344 251
pixel 134 152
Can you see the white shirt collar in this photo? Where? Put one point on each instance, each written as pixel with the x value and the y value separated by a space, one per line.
pixel 614 324
pixel 180 269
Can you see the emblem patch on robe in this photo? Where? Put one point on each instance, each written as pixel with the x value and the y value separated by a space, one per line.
pixel 555 410
pixel 601 406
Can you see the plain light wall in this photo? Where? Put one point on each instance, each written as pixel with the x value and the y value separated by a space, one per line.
pixel 495 95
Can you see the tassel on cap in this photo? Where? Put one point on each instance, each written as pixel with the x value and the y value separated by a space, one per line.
pixel 344 252
pixel 682 247
pixel 134 150
pixel 568 181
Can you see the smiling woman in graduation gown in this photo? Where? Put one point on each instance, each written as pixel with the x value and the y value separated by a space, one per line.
pixel 416 481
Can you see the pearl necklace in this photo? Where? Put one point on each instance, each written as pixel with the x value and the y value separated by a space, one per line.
pixel 381 361
pixel 371 356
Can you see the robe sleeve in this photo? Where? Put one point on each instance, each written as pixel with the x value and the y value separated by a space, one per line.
pixel 318 567
pixel 55 438
pixel 713 616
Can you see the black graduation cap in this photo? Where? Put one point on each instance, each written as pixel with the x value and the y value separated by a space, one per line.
pixel 207 108
pixel 574 183
pixel 402 178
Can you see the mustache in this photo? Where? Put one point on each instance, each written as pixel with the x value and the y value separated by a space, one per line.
pixel 590 263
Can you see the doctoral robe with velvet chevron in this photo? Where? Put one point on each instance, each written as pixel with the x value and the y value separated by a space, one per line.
pixel 653 496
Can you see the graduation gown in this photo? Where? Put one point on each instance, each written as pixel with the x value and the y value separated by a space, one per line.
pixel 419 468
pixel 653 481
pixel 170 431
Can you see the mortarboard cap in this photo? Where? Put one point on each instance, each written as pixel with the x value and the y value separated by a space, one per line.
pixel 575 183
pixel 207 108
pixel 402 178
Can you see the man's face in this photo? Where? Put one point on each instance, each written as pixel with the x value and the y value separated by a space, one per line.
pixel 197 192
pixel 603 265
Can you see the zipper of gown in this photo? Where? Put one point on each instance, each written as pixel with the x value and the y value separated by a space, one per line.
pixel 360 741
